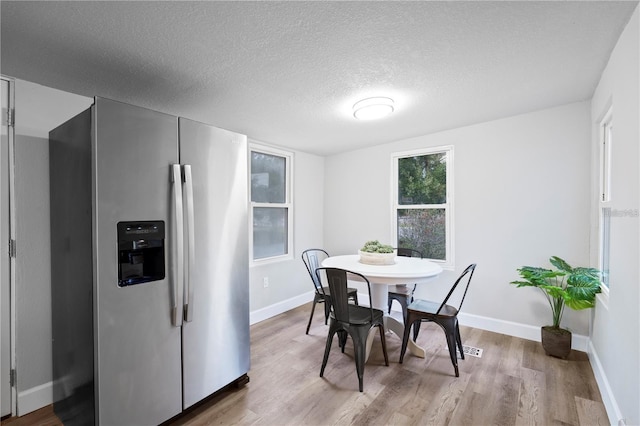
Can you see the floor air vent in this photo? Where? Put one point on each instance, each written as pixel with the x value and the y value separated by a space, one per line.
pixel 470 350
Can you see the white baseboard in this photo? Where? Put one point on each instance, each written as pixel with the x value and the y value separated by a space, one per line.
pixel 280 307
pixel 524 331
pixel 35 398
pixel 609 401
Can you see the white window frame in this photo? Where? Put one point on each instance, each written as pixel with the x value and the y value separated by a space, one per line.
pixel 606 129
pixel 288 204
pixel 605 140
pixel 449 262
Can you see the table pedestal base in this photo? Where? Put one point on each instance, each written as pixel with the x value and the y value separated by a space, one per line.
pixel 393 325
pixel 379 300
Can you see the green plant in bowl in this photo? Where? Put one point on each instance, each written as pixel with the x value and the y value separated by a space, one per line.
pixel 374 246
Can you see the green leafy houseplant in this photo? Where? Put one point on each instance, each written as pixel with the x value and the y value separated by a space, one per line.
pixel 375 246
pixel 565 286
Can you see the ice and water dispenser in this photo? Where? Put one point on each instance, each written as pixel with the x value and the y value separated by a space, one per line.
pixel 140 252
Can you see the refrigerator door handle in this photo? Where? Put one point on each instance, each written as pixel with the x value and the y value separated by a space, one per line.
pixel 188 274
pixel 178 272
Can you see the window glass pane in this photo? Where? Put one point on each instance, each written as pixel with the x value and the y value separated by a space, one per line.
pixel 268 178
pixel 604 245
pixel 605 166
pixel 269 232
pixel 423 230
pixel 422 179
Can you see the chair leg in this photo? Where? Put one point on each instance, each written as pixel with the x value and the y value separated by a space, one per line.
pixel 360 349
pixel 416 330
pixel 405 337
pixel 384 344
pixel 327 309
pixel 402 300
pixel 327 349
pixel 459 340
pixel 313 308
pixel 342 339
pixel 404 305
pixel 450 331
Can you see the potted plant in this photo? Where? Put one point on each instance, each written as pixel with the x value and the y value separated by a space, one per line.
pixel 565 286
pixel 375 253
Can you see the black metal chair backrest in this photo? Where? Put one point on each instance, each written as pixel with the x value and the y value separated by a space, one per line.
pixel 312 259
pixel 407 252
pixel 469 272
pixel 337 280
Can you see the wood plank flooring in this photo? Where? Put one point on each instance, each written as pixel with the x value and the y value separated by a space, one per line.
pixel 513 383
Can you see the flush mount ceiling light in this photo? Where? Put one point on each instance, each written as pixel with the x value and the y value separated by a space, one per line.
pixel 373 108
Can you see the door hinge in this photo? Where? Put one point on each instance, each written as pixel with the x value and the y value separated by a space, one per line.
pixel 12 378
pixel 11 116
pixel 12 248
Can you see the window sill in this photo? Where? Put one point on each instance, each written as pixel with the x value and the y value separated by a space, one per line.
pixel 270 260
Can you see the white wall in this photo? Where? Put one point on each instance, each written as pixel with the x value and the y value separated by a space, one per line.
pixel 616 320
pixel 38 110
pixel 289 282
pixel 521 194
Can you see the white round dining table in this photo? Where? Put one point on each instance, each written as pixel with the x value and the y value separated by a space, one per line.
pixel 404 271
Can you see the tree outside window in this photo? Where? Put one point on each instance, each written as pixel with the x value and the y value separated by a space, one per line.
pixel 422 202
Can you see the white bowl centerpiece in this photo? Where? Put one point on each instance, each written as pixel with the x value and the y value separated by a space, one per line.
pixel 374 253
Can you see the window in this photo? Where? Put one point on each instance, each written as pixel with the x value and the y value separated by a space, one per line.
pixel 606 138
pixel 423 202
pixel 271 205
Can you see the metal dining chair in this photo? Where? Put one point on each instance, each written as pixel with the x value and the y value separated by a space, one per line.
pixel 350 320
pixel 402 293
pixel 446 316
pixel 312 259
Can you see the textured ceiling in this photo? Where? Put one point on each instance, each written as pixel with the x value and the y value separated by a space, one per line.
pixel 287 73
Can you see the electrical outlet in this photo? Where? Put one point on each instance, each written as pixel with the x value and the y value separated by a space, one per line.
pixel 265 282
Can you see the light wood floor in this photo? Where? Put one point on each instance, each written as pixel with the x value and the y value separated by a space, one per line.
pixel 513 383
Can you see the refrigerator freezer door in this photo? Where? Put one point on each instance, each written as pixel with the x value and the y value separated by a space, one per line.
pixel 137 346
pixel 216 341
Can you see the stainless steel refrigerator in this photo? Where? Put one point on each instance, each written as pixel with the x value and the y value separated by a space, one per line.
pixel 150 282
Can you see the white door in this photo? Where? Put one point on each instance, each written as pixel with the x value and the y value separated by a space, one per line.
pixel 5 282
